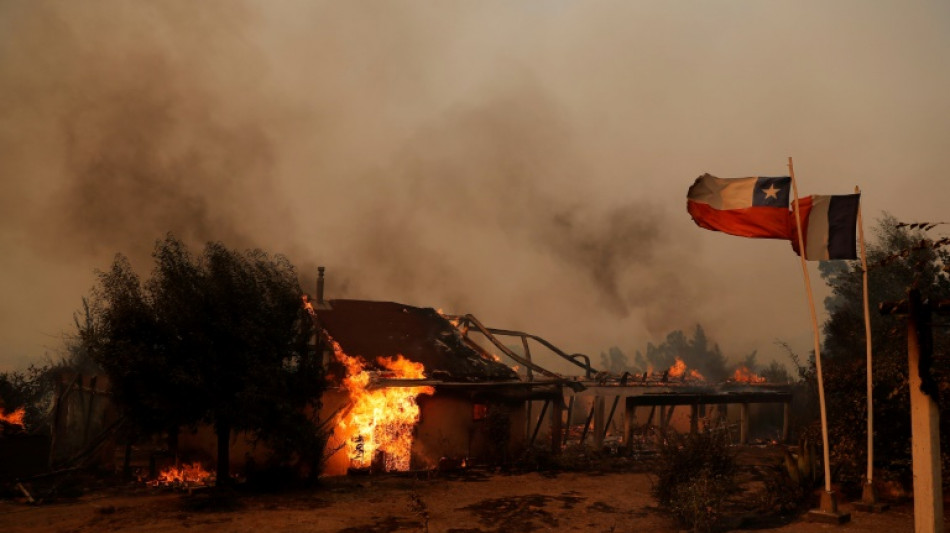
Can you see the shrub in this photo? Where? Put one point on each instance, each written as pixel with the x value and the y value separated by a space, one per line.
pixel 695 473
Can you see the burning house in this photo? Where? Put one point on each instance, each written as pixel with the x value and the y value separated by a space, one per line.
pixel 413 388
pixel 410 392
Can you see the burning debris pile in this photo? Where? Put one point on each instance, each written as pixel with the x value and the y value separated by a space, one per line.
pixel 188 475
pixel 744 375
pixel 679 372
pixel 12 423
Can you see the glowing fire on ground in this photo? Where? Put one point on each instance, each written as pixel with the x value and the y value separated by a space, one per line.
pixel 744 375
pixel 380 419
pixel 15 418
pixel 185 475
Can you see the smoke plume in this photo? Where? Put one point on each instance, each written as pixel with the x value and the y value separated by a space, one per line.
pixel 444 176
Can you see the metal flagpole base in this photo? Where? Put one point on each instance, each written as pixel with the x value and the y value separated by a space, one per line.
pixel 827 511
pixel 869 503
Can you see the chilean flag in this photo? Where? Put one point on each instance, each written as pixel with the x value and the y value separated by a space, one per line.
pixel 747 207
pixel 829 226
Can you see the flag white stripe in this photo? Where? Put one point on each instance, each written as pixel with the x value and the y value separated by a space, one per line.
pixel 816 242
pixel 723 194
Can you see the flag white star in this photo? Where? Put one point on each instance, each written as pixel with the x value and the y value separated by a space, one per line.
pixel 771 192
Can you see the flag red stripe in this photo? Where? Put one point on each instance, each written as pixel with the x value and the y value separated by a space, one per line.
pixel 756 222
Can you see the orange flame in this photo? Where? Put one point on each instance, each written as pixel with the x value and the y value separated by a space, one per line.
pixel 744 375
pixel 678 368
pixel 186 474
pixel 380 419
pixel 454 321
pixel 15 418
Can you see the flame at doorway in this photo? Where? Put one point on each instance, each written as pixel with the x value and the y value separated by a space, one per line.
pixel 380 419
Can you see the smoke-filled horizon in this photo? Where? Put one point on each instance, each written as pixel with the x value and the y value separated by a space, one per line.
pixel 525 162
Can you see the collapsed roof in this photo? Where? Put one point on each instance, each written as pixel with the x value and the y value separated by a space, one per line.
pixel 370 329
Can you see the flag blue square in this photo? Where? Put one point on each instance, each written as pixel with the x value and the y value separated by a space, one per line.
pixel 771 192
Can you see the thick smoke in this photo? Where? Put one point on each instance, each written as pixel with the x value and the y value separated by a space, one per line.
pixel 133 120
pixel 142 137
pixel 488 208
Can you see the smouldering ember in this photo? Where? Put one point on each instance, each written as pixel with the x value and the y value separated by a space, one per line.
pixel 455 321
pixel 744 375
pixel 15 418
pixel 380 419
pixel 188 475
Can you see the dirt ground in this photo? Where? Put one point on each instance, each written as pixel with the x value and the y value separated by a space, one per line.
pixel 473 501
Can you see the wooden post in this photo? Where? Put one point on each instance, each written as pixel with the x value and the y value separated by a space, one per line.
pixel 557 412
pixel 599 424
pixel 925 425
pixel 786 416
pixel 661 429
pixel 537 427
pixel 570 416
pixel 610 415
pixel 629 423
pixel 527 419
pixel 743 423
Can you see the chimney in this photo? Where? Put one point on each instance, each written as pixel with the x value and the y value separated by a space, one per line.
pixel 320 285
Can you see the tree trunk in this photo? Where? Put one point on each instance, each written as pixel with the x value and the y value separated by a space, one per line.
pixel 127 460
pixel 223 430
pixel 173 443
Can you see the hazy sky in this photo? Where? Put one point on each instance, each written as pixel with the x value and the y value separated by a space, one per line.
pixel 526 162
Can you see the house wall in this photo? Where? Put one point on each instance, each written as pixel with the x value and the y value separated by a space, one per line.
pixel 450 431
pixel 337 463
pixel 446 434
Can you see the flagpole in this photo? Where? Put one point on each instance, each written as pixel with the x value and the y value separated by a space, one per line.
pixel 868 494
pixel 867 334
pixel 814 323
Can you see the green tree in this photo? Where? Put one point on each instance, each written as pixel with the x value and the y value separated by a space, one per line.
pixel 614 361
pixel 31 390
pixel 697 352
pixel 219 339
pixel 776 373
pixel 899 258
pixel 707 359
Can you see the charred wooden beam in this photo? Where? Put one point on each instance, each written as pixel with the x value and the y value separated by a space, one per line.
pixel 537 427
pixel 613 409
pixel 688 398
pixel 570 413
